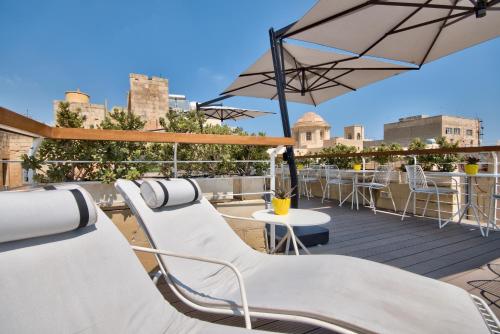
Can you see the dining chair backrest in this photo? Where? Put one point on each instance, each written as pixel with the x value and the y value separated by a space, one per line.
pixel 332 172
pixel 416 177
pixel 383 175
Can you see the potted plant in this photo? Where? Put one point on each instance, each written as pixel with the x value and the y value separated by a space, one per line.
pixel 281 201
pixel 472 166
pixel 356 163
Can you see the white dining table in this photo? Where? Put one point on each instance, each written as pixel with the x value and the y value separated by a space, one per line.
pixel 354 194
pixel 469 204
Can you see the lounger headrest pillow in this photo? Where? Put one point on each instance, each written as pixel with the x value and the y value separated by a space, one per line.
pixel 159 193
pixel 33 214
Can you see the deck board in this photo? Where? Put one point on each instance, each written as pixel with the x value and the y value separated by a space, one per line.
pixel 456 254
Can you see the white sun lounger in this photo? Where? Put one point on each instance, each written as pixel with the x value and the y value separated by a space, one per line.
pixel 65 268
pixel 345 294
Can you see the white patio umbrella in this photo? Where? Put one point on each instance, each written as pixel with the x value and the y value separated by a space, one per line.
pixel 223 113
pixel 312 76
pixel 414 31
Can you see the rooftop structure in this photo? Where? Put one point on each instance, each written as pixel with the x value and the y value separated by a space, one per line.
pixel 465 131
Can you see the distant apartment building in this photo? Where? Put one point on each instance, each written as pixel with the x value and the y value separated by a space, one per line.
pixel 465 131
pixel 312 133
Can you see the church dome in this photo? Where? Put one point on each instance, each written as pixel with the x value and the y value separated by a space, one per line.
pixel 310 119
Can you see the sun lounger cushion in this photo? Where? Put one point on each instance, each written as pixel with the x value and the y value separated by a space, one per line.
pixel 42 215
pixel 159 193
pixel 86 280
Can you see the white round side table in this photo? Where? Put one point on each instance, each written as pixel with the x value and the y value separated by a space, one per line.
pixel 295 217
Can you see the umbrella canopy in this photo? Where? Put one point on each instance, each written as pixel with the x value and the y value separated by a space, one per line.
pixel 312 76
pixel 414 31
pixel 223 113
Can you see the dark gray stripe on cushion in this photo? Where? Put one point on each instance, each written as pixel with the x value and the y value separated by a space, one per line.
pixel 49 187
pixel 136 183
pixel 195 189
pixel 82 207
pixel 165 192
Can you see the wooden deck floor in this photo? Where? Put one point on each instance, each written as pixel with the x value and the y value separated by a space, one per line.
pixel 456 254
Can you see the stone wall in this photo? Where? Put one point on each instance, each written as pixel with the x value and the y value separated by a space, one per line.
pixel 148 98
pixel 94 113
pixel 12 147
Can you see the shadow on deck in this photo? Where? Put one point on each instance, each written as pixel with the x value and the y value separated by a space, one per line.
pixel 457 254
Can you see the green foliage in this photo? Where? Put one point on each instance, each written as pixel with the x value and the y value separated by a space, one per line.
pixel 436 162
pixel 471 160
pixel 341 162
pixel 113 160
pixel 193 122
pixel 113 156
pixel 383 160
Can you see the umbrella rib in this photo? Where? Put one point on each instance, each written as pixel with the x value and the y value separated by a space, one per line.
pixel 323 75
pixel 328 19
pixel 435 38
pixel 394 28
pixel 246 86
pixel 325 87
pixel 433 21
pixel 333 79
pixel 287 84
pixel 409 4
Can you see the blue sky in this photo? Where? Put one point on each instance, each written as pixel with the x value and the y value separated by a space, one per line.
pixel 48 47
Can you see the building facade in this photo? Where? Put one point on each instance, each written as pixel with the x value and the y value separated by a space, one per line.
pixel 465 131
pixel 80 102
pixel 312 133
pixel 148 98
pixel 12 147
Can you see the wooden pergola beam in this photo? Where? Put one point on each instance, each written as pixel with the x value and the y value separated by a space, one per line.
pixel 13 121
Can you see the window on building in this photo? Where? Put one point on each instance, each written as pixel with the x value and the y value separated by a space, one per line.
pixel 308 136
pixel 471 143
pixel 456 131
pixel 321 135
pixel 358 136
pixel 469 132
pixel 349 136
pixel 448 131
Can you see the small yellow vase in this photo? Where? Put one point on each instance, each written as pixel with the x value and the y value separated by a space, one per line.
pixel 281 206
pixel 356 166
pixel 471 169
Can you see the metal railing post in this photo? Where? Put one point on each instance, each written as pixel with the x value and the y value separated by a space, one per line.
pixel 363 159
pixel 272 166
pixel 175 159
pixel 495 170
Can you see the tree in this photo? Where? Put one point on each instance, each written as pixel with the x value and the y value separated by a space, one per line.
pixel 67 150
pixel 384 159
pixel 195 122
pixel 340 162
pixel 116 157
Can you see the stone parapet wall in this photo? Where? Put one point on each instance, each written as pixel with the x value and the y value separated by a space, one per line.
pixel 12 147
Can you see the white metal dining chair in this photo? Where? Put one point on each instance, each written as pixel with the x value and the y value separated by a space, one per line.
pixel 380 180
pixel 492 219
pixel 307 177
pixel 420 184
pixel 333 176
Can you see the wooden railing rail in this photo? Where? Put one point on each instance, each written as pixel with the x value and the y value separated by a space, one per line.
pixel 476 149
pixel 12 121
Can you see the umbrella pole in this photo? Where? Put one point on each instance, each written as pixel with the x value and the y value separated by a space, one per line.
pixel 278 72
